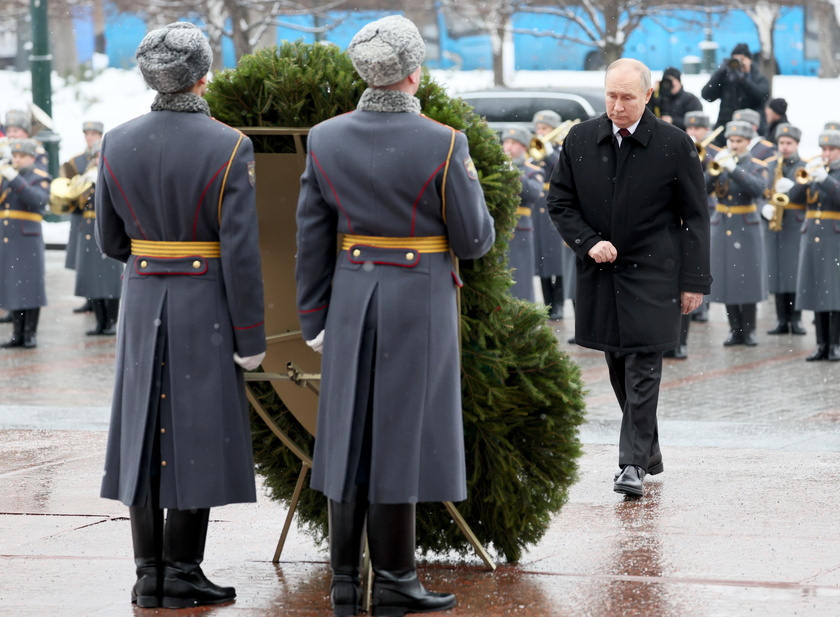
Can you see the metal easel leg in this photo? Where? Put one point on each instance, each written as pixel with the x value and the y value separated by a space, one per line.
pixel 465 529
pixel 304 469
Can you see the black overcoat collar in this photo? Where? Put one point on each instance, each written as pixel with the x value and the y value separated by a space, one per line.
pixel 642 135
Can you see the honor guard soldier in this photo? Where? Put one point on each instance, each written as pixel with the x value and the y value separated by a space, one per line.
pixel 515 143
pixel 549 247
pixel 785 213
pixel 382 309
pixel 738 266
pixel 759 148
pixel 817 283
pixel 77 165
pixel 176 202
pixel 19 126
pixel 24 195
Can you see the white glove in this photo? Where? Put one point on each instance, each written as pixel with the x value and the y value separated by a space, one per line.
pixel 317 344
pixel 818 174
pixel 91 174
pixel 8 172
pixel 783 185
pixel 249 363
pixel 768 211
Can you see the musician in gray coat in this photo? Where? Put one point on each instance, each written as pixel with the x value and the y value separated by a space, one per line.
pixel 175 201
pixel 737 235
pixel 24 195
pixel 382 308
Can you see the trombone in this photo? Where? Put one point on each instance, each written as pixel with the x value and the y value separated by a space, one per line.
pixel 804 175
pixel 538 147
pixel 715 167
pixel 701 146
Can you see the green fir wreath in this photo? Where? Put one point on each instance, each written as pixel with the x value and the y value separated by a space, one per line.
pixel 523 398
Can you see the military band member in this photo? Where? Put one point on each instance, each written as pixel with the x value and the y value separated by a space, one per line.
pixel 817 282
pixel 24 196
pixel 831 126
pixel 781 235
pixel 383 311
pixel 738 266
pixel 93 131
pixel 19 126
pixel 549 248
pixel 175 201
pixel 759 148
pixel 521 248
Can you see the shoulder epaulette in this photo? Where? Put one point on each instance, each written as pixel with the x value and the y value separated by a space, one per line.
pixel 763 163
pixel 533 166
pixel 41 172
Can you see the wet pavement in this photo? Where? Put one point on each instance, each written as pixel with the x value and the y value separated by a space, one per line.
pixel 743 521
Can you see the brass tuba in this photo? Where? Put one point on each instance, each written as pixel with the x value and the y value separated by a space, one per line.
pixel 68 194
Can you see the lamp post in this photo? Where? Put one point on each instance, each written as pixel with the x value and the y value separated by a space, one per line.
pixel 41 67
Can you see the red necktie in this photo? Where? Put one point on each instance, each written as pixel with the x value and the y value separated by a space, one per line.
pixel 623 133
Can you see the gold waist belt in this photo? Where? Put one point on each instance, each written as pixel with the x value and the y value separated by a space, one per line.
pixel 20 214
pixel 521 211
pixel 795 207
pixel 736 209
pixel 816 214
pixel 155 248
pixel 424 244
pixel 89 214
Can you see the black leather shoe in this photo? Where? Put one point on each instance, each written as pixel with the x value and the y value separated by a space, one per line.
pixel 572 341
pixel 821 353
pixel 655 466
pixel 679 353
pixel 734 338
pixel 630 481
pixel 749 339
pixel 394 596
pixel 556 314
pixel 87 307
pixel 782 327
pixel 796 327
pixel 834 353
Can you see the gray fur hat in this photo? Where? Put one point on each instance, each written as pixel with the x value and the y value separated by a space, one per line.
pixel 832 126
pixel 697 118
pixel 830 138
pixel 785 129
pixel 517 134
pixel 95 126
pixel 387 50
pixel 24 146
pixel 747 115
pixel 739 128
pixel 20 119
pixel 547 117
pixel 174 57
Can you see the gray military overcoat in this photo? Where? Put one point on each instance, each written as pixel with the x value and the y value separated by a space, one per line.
pixel 380 171
pixel 97 276
pixel 521 246
pixel 22 242
pixel 738 264
pixel 781 248
pixel 181 177
pixel 75 166
pixel 548 245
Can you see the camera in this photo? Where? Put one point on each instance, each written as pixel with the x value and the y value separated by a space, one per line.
pixel 733 64
pixel 666 86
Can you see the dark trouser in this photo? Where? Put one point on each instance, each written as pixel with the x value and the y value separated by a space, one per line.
pixel 635 380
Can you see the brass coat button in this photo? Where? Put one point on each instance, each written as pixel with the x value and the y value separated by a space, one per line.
pixel 409 256
pixel 143 264
pixel 817 221
pixel 5 240
pixel 162 396
pixel 163 431
pixel 728 232
pixel 163 463
pixel 356 253
pixel 816 239
pixel 6 222
pixel 87 236
pixel 729 215
pixel 196 264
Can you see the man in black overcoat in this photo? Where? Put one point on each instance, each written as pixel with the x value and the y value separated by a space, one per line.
pixel 628 197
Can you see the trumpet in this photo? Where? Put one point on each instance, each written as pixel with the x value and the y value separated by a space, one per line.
pixel 537 149
pixel 715 167
pixel 702 145
pixel 804 175
pixel 778 201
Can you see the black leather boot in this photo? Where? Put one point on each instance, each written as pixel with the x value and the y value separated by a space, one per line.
pixel 184 584
pixel 99 311
pixel 87 307
pixel 782 315
pixel 748 320
pixel 796 326
pixel 147 538
pixel 112 313
pixel 834 336
pixel 17 330
pixel 30 327
pixel 347 524
pixel 821 325
pixel 396 588
pixel 736 335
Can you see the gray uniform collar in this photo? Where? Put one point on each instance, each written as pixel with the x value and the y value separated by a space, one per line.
pixel 181 101
pixel 393 101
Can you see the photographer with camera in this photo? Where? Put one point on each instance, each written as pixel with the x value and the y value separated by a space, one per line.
pixel 739 85
pixel 670 102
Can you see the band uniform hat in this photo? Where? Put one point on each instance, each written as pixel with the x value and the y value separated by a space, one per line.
pixel 697 118
pixel 786 129
pixel 23 146
pixel 20 119
pixel 832 126
pixel 830 138
pixel 747 115
pixel 174 57
pixel 672 72
pixel 741 49
pixel 387 50
pixel 547 117
pixel 739 128
pixel 517 134
pixel 778 105
pixel 95 126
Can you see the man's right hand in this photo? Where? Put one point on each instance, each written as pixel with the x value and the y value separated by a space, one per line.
pixel 603 251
